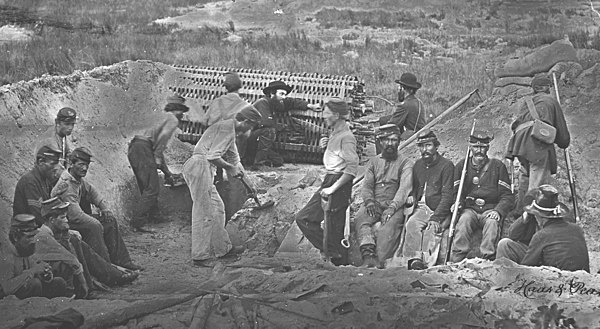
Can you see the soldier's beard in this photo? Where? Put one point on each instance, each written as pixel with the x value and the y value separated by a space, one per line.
pixel 25 250
pixel 401 96
pixel 389 153
pixel 427 157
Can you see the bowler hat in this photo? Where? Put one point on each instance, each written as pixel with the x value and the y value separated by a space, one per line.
pixel 426 135
pixel 545 203
pixel 409 80
pixel 481 138
pixel 275 85
pixel 53 206
pixel 66 114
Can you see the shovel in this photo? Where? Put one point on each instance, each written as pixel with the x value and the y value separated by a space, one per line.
pixel 259 206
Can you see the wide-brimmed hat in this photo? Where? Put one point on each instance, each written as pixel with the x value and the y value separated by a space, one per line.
pixel 409 80
pixel 275 85
pixel 545 203
pixel 481 138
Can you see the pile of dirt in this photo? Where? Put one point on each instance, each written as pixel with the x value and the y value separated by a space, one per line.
pixel 300 292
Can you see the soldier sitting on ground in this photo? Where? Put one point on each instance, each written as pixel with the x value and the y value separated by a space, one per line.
pixel 386 185
pixel 485 200
pixel 102 235
pixel 557 243
pixel 433 179
pixel 71 258
pixel 21 274
pixel 35 186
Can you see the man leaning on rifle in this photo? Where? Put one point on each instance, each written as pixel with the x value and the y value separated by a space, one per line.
pixel 486 198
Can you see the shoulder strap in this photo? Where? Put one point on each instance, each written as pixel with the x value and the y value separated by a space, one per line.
pixel 418 115
pixel 531 108
pixel 485 168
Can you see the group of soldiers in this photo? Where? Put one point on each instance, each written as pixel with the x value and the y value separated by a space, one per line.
pixel 59 248
pixel 407 206
pixel 56 245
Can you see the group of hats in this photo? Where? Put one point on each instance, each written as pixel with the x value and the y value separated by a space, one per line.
pixel 26 223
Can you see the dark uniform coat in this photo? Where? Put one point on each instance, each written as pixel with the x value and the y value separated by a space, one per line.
pixel 491 185
pixel 522 145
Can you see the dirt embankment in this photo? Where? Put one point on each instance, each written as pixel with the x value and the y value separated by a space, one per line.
pixel 112 104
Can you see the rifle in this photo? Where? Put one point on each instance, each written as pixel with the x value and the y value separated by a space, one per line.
pixel 568 162
pixel 64 152
pixel 457 201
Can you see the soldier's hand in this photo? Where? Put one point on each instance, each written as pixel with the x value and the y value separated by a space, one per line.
pixel 314 107
pixel 435 226
pixel 326 192
pixel 454 206
pixel 76 234
pixel 39 268
pixel 235 171
pixel 371 208
pixel 493 215
pixel 387 214
pixel 323 142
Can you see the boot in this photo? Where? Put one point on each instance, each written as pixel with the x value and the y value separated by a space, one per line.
pixel 369 256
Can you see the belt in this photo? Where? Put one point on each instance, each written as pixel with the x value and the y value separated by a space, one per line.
pixel 476 201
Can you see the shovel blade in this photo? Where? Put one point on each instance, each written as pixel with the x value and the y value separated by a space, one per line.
pixel 294 242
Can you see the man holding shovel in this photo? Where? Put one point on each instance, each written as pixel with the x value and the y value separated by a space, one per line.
pixel 341 162
pixel 216 148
